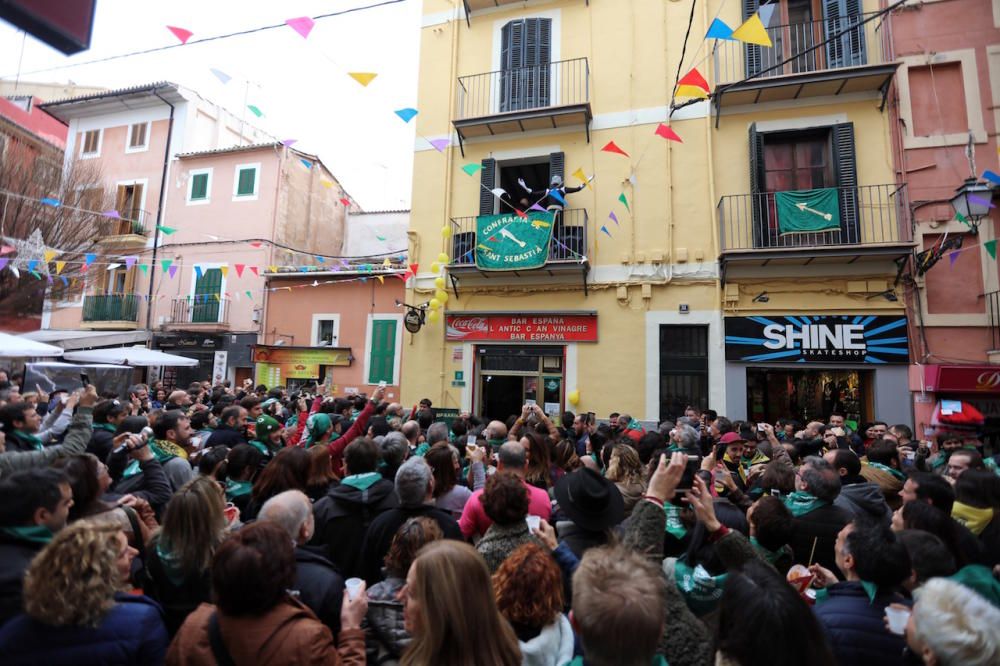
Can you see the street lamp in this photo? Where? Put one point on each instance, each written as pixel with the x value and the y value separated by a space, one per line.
pixel 972 202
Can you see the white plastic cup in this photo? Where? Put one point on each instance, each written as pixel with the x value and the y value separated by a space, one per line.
pixel 898 616
pixel 534 522
pixel 353 586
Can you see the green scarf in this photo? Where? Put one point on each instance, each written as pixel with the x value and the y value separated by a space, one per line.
pixel 495 444
pixel 172 565
pixel 260 446
pixel 674 525
pixel 771 556
pixel 422 449
pixel 658 660
pixel 236 489
pixel 700 589
pixel 871 589
pixel 131 469
pixel 164 450
pixel 32 533
pixel 105 426
pixel 361 481
pixel 30 439
pixel 800 503
pixel 888 470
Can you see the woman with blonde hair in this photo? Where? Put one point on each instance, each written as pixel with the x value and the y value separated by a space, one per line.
pixel 75 608
pixel 179 556
pixel 449 626
pixel 625 469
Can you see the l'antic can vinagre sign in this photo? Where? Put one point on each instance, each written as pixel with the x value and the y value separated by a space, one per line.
pixel 543 327
pixel 817 339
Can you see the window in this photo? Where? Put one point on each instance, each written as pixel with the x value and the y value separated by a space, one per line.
pixel 199 186
pixel 937 99
pixel 383 350
pixel 206 307
pixel 525 58
pixel 245 181
pixel 129 206
pixel 91 146
pixel 138 138
pixel 325 330
pixel 683 369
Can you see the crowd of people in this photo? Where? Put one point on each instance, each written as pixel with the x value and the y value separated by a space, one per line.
pixel 221 525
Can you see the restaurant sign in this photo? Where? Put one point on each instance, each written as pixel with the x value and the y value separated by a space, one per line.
pixel 546 327
pixel 817 339
pixel 274 364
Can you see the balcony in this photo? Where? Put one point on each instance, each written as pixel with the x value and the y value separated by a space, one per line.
pixel 198 314
pixel 569 250
pixel 993 316
pixel 524 99
pixel 111 311
pixel 838 56
pixel 123 231
pixel 874 225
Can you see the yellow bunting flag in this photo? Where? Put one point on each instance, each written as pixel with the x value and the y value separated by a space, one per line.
pixel 217 299
pixel 325 183
pixel 49 254
pixel 380 279
pixel 690 91
pixel 364 78
pixel 272 269
pixel 580 175
pixel 387 263
pixel 224 269
pixel 753 32
pixel 60 265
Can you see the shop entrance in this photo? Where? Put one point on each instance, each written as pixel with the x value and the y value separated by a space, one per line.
pixel 508 377
pixel 809 395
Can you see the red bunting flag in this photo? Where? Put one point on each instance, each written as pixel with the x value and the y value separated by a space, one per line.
pixel 694 78
pixel 255 244
pixel 239 269
pixel 413 269
pixel 255 270
pixel 346 202
pixel 612 147
pixel 520 213
pixel 180 33
pixel 667 133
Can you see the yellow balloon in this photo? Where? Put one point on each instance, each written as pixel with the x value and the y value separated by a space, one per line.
pixel 441 296
pixel 439 282
pixel 435 267
pixel 574 397
pixel 443 258
pixel 433 316
pixel 446 232
pixel 434 304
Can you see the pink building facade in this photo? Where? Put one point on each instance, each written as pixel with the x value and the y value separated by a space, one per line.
pixel 946 115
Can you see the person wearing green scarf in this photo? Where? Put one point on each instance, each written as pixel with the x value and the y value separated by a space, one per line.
pixel 21 423
pixel 267 435
pixel 107 415
pixel 817 520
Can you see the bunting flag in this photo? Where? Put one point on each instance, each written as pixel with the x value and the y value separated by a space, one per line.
pixel 49 201
pixel 604 228
pixel 614 218
pixel 472 168
pixel 113 214
pixel 172 271
pixel 6 249
pixel 535 206
pixel 498 192
pixel 64 280
pixel 952 257
pixel 981 201
pixel 49 254
pixel 364 78
pixel 991 247
pixel 380 279
pixel 224 269
pixel 144 268
pixel 991 176
pixel 239 269
pixel 255 111
pixel 766 12
pixel 692 84
pixel 32 265
pixel 249 295
pixel 753 32
pixel 165 230
pixel 306 163
pixel 219 74
pixel 440 144
pixel 255 271
pixel 180 33
pixel 612 147
pixel 413 268
pixel 302 25
pixel 217 299
pixel 60 265
pixel 256 244
pixel 326 183
pixel 621 197
pixel 406 114
pixel 88 259
pixel 387 263
pixel 667 133
pixel 558 197
pixel 521 214
pixel 197 272
pixel 17 273
pixel 581 175
pixel 112 267
pixel 165 264
pixel 129 262
pixel 719 30
pixel 346 202
pixel 272 269
pixel 288 143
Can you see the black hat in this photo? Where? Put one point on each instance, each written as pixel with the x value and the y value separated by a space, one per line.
pixel 590 500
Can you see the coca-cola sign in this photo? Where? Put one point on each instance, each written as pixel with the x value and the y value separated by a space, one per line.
pixel 546 327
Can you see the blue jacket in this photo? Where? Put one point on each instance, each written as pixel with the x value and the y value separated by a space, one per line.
pixel 855 628
pixel 131 633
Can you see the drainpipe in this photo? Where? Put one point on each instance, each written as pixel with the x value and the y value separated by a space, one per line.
pixel 159 218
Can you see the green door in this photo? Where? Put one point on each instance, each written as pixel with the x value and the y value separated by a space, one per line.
pixel 206 307
pixel 383 351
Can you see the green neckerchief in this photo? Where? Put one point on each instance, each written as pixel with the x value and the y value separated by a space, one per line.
pixel 105 426
pixel 260 446
pixel 658 660
pixel 770 555
pixel 674 525
pixel 700 589
pixel 131 469
pixel 361 481
pixel 871 589
pixel 171 564
pixel 29 438
pixel 495 444
pixel 236 489
pixel 800 503
pixel 888 470
pixel 32 533
pixel 422 449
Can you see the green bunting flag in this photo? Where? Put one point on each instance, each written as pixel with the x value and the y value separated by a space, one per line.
pixel 991 247
pixel 624 201
pixel 165 230
pixel 472 168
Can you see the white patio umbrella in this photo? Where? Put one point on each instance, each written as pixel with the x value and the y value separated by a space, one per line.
pixel 13 346
pixel 131 356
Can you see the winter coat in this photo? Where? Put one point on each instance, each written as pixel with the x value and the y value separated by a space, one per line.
pixel 820 527
pixel 343 518
pixel 385 617
pixel 502 540
pixel 132 632
pixel 320 586
pixel 864 499
pixel 631 493
pixel 15 556
pixel 151 484
pixel 378 539
pixel 101 443
pixel 178 594
pixel 77 437
pixel 855 628
pixel 289 633
pixel 225 436
pixel 553 646
pixel 578 539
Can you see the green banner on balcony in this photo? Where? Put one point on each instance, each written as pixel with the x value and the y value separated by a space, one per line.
pixel 510 242
pixel 808 211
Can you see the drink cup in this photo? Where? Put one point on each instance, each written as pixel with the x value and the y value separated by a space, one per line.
pixel 353 586
pixel 231 512
pixel 898 616
pixel 534 522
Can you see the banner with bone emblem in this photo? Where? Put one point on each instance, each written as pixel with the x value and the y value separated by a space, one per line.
pixel 808 211
pixel 512 242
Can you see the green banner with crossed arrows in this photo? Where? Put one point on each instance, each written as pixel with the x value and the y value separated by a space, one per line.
pixel 808 211
pixel 510 242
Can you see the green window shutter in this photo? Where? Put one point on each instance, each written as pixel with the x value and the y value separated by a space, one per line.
pixel 206 310
pixel 246 182
pixel 199 186
pixel 383 351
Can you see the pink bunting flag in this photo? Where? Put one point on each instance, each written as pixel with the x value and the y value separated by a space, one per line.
pixel 302 25
pixel 346 202
pixel 180 33
pixel 255 244
pixel 287 143
pixel 6 249
pixel 255 270
pixel 129 262
pixel 612 147
pixel 440 144
pixel 239 269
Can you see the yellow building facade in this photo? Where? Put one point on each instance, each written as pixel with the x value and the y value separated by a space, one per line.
pixel 659 306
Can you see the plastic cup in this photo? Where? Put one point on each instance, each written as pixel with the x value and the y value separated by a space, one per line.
pixel 231 512
pixel 534 522
pixel 897 616
pixel 353 586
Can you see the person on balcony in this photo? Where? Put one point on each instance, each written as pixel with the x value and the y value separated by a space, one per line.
pixel 553 200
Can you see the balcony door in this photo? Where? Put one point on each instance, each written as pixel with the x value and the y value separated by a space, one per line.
pixel 129 206
pixel 205 309
pixel 525 60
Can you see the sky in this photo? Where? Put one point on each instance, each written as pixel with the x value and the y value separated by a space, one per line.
pixel 301 85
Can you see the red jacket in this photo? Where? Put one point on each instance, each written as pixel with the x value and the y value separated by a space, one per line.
pixel 356 430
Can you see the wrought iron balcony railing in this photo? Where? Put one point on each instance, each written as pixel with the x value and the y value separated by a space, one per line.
pixel 110 307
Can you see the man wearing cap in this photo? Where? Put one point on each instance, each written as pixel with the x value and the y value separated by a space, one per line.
pixel 589 506
pixel 733 443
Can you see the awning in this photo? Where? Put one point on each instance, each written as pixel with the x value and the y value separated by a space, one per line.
pixel 75 339
pixel 19 346
pixel 131 356
pixel 962 378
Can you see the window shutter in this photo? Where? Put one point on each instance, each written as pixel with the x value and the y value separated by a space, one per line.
pixel 206 310
pixel 199 186
pixel 487 178
pixel 246 181
pixel 848 50
pixel 847 180
pixel 511 62
pixel 383 351
pixel 758 196
pixel 557 165
pixel 752 51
